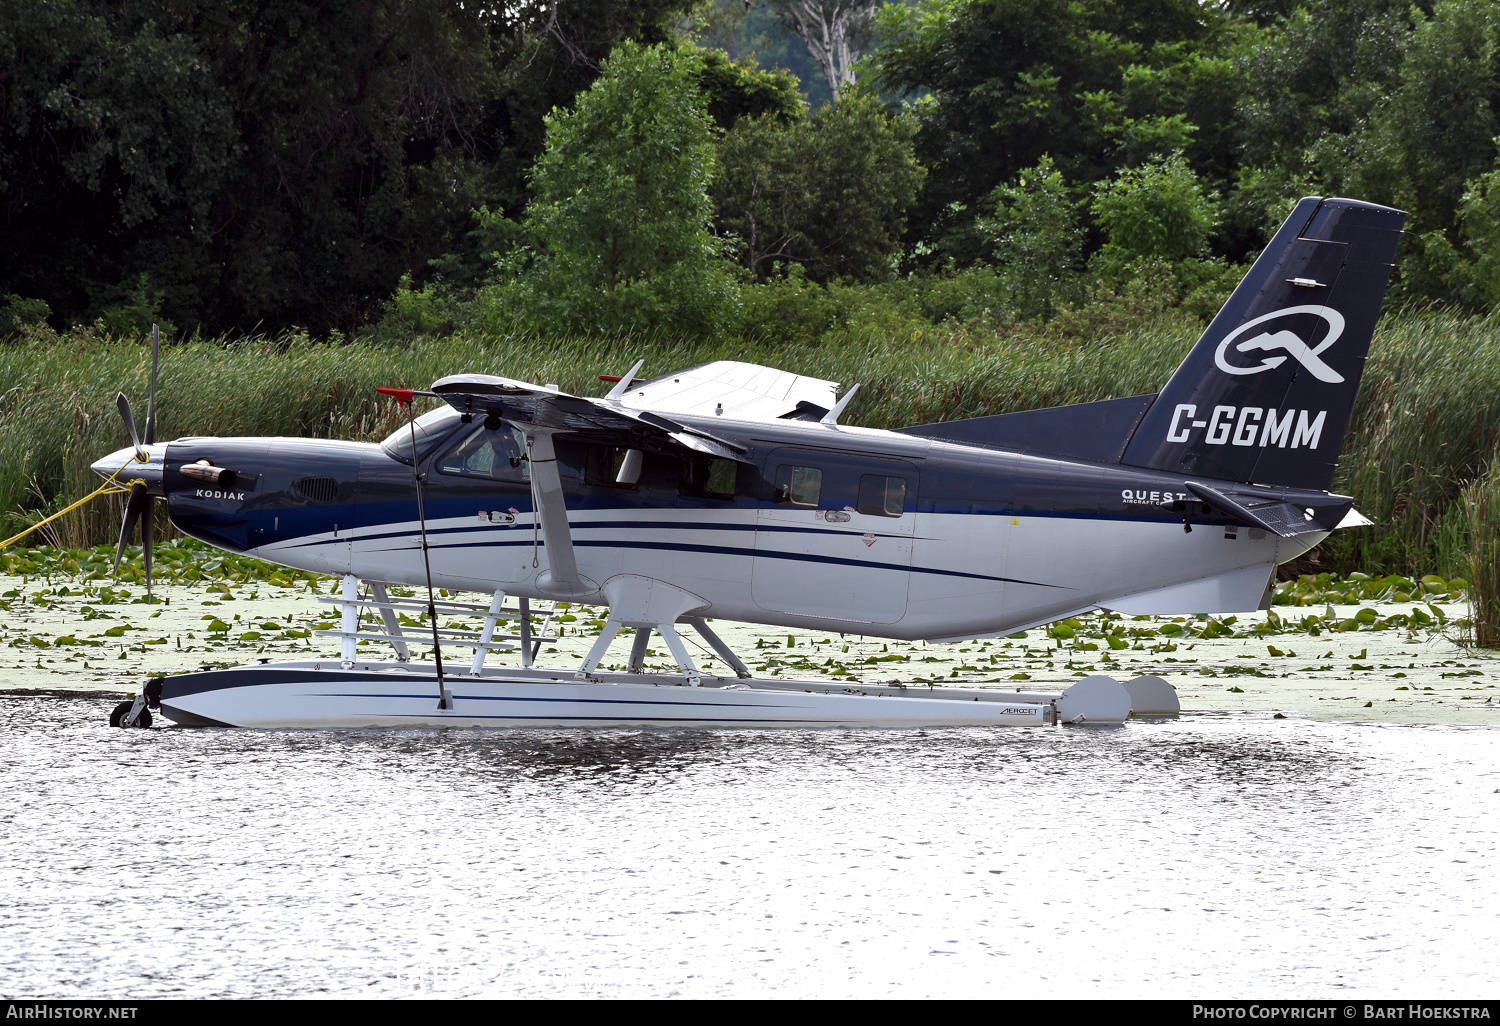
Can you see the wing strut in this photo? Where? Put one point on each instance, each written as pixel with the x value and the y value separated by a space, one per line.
pixel 561 578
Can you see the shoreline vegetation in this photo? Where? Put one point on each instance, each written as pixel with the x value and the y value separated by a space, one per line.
pixel 1420 458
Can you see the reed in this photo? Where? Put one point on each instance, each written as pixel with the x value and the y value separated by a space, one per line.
pixel 1425 424
pixel 1482 502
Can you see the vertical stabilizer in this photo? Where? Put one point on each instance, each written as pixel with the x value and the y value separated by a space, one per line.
pixel 1266 393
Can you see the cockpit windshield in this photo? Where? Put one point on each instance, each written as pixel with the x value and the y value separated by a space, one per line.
pixel 432 427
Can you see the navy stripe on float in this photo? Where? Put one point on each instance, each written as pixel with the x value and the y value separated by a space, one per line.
pixel 642 719
pixel 575 701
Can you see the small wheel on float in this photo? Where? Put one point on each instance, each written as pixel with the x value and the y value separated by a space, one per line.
pixel 117 717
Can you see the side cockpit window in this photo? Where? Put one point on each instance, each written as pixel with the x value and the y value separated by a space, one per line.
pixel 881 496
pixel 708 478
pixel 611 466
pixel 798 486
pixel 497 455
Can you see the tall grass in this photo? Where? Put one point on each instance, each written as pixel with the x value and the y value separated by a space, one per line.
pixel 1482 503
pixel 1424 426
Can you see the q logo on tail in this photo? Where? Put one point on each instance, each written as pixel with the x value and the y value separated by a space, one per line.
pixel 1287 342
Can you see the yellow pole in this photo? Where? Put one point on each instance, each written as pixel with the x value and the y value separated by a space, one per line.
pixel 107 488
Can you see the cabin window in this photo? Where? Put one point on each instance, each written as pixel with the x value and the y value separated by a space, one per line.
pixel 798 486
pixel 495 455
pixel 709 478
pixel 601 467
pixel 881 496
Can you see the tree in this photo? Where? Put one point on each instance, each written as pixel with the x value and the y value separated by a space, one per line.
pixel 828 191
pixel 273 162
pixel 619 219
pixel 754 31
pixel 737 89
pixel 110 127
pixel 1037 242
pixel 835 32
pixel 1389 102
pixel 1096 84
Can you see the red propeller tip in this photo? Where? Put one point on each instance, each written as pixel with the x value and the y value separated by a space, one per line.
pixel 609 377
pixel 401 395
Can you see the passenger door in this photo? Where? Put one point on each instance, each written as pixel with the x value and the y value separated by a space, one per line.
pixel 835 541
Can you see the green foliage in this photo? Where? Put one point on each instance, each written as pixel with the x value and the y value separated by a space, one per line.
pixel 273 162
pixel 1423 425
pixel 416 312
pixel 178 561
pixel 140 310
pixel 1468 273
pixel 1095 84
pixel 829 192
pixel 1330 589
pixel 1434 132
pixel 17 313
pixel 1155 210
pixel 738 89
pixel 753 32
pixel 1037 242
pixel 1157 221
pixel 787 308
pixel 1387 102
pixel 619 222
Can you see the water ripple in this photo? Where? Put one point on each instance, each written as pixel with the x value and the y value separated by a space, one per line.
pixel 1213 855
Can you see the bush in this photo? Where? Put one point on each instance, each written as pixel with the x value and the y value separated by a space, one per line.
pixel 618 232
pixel 786 308
pixel 18 315
pixel 1156 211
pixel 141 309
pixel 1036 240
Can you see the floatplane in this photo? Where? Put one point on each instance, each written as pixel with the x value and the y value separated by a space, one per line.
pixel 731 491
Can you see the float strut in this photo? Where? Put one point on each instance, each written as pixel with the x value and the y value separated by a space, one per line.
pixel 715 642
pixel 350 624
pixel 638 649
pixel 488 633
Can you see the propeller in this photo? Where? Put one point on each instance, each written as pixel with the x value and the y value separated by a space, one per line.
pixel 140 499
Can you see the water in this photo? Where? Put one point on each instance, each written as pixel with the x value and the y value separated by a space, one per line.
pixel 1206 857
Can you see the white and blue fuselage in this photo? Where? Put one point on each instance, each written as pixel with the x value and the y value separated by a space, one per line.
pixel 980 542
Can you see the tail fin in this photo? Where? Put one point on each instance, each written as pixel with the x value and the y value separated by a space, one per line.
pixel 1265 395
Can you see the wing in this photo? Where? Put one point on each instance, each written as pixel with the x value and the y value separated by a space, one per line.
pixel 532 406
pixel 733 390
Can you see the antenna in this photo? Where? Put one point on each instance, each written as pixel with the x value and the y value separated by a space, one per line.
pixel 831 418
pixel 623 385
pixel 403 397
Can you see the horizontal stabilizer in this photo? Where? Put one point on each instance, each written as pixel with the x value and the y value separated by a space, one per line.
pixel 1271 513
pixel 1097 432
